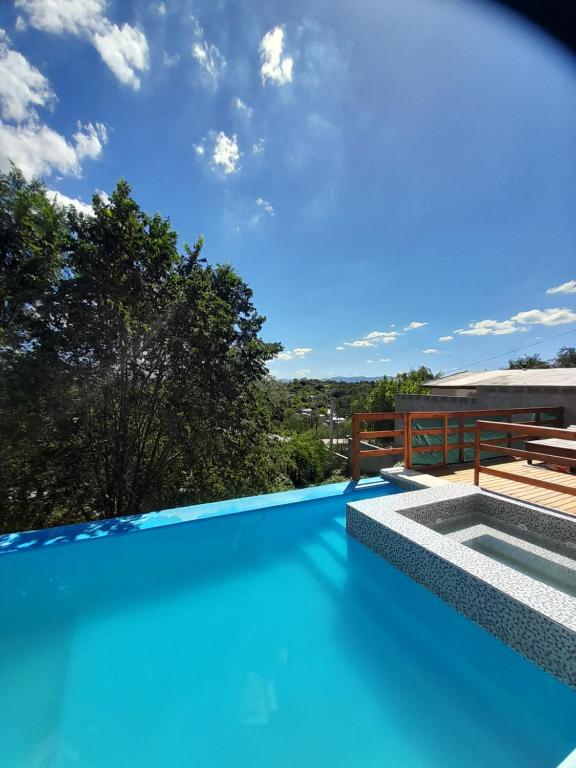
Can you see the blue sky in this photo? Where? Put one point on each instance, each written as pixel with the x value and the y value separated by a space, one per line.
pixel 395 180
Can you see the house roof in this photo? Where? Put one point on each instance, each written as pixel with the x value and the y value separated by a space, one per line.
pixel 530 377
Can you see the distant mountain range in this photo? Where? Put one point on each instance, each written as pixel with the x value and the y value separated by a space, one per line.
pixel 353 379
pixel 341 379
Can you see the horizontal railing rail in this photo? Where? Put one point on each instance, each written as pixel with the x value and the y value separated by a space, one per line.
pixel 555 414
pixel 523 432
pixel 358 435
pixel 404 437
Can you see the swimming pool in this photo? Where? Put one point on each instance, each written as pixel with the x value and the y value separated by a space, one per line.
pixel 265 639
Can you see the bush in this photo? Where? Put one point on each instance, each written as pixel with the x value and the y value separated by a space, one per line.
pixel 309 462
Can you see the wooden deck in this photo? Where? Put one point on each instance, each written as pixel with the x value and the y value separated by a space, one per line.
pixel 464 473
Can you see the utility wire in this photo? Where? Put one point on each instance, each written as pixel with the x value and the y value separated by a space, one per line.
pixel 511 351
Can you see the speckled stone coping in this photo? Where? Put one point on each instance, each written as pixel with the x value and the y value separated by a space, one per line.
pixel 410 479
pixel 535 619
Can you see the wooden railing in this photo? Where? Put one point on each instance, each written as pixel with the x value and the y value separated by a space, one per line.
pixel 407 450
pixel 358 435
pixel 521 432
pixel 556 414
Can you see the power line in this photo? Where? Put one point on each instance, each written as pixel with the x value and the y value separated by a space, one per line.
pixel 511 351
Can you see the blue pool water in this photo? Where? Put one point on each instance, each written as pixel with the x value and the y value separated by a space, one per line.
pixel 267 639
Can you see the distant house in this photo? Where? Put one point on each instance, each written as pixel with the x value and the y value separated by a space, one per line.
pixel 330 416
pixel 483 390
pixel 325 418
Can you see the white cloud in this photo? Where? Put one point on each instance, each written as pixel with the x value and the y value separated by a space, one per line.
pixel 488 328
pixel 74 17
pixel 221 151
pixel 211 61
pixel 373 338
pixel 123 49
pixel 22 86
pixel 170 61
pixel 569 287
pixel 413 325
pixel 275 67
pixel 31 145
pixel 339 349
pixel 445 338
pixel 243 108
pixel 208 56
pixel 65 201
pixel 517 323
pixel 431 351
pixel 297 352
pixel 226 154
pixel 382 337
pixel 90 139
pixel 362 343
pixel 545 317
pixel 369 361
pixel 160 9
pixel 265 206
pixel 38 150
pixel 20 24
pixel 384 359
pixel 259 147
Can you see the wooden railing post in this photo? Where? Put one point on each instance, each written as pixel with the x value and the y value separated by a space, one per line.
pixel 461 440
pixel 408 440
pixel 355 447
pixel 477 455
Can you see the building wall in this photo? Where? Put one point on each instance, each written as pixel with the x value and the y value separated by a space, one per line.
pixel 525 397
pixel 405 403
pixel 453 391
pixel 495 397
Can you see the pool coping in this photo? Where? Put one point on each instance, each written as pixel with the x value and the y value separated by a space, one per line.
pixel 117 526
pixel 535 619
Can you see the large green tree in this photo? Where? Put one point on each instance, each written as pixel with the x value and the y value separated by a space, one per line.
pixel 131 373
pixel 381 397
pixel 565 358
pixel 527 361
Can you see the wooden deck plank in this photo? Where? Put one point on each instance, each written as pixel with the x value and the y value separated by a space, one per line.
pixel 544 497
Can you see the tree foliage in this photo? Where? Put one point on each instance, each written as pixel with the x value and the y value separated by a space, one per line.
pixel 308 460
pixel 382 396
pixel 565 358
pixel 527 361
pixel 131 374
